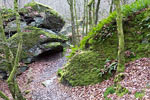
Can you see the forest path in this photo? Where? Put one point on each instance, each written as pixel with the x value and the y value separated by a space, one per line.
pixel 44 70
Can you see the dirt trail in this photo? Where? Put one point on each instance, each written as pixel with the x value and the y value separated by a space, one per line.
pixel 44 70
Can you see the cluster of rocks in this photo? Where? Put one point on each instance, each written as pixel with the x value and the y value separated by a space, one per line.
pixel 40 26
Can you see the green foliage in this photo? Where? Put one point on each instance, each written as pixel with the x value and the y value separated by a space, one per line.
pixel 103 44
pixel 139 94
pixel 118 89
pixel 109 90
pixel 4 62
pixel 119 77
pixel 108 68
pixel 74 50
pixel 126 10
pixel 7 13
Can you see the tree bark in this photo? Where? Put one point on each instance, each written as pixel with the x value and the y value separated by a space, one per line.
pixel 121 59
pixel 70 2
pixel 87 18
pixel 97 10
pixel 90 13
pixel 111 6
pixel 84 18
pixel 94 17
pixel 77 25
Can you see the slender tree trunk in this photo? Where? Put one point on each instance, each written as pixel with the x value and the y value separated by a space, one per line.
pixel 97 10
pixel 6 51
pixel 121 59
pixel 84 18
pixel 90 17
pixel 90 13
pixel 77 25
pixel 94 17
pixel 87 18
pixel 111 6
pixel 70 2
pixel 13 86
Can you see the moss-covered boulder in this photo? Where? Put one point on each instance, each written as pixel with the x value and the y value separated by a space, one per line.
pixel 33 14
pixel 82 69
pixel 101 46
pixel 50 19
pixel 36 42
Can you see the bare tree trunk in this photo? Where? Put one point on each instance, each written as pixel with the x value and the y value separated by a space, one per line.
pixel 70 2
pixel 121 59
pixel 87 18
pixel 97 10
pixel 84 18
pixel 77 25
pixel 94 17
pixel 90 13
pixel 111 6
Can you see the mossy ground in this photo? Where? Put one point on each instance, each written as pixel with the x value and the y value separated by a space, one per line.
pixel 139 95
pixel 104 45
pixel 118 89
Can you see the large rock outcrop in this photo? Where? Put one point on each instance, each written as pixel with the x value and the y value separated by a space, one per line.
pixel 37 15
pixel 37 41
pixel 40 25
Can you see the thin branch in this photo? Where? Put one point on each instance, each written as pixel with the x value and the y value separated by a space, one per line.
pixel 2 95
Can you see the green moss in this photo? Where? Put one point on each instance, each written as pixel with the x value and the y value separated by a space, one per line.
pixel 7 13
pixel 102 43
pixel 34 36
pixel 139 95
pixel 109 90
pixel 127 10
pixel 83 69
pixel 42 8
pixel 52 45
pixel 118 89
